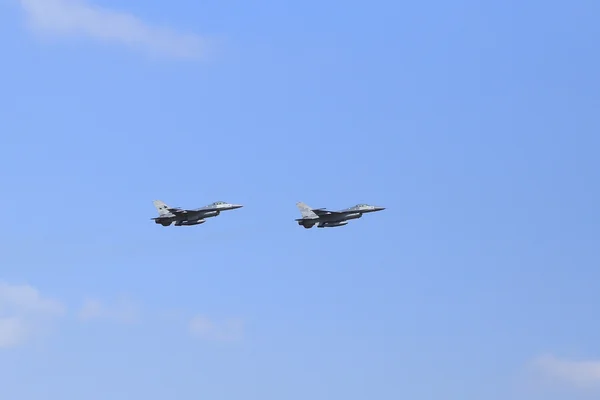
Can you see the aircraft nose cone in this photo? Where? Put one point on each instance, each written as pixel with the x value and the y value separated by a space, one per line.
pixel 379 208
pixel 234 206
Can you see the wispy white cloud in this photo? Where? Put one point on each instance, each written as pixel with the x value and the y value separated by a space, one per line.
pixel 205 328
pixel 579 373
pixel 24 313
pixel 80 18
pixel 123 310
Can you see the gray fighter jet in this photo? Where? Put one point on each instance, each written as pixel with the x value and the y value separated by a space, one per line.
pixel 329 219
pixel 167 215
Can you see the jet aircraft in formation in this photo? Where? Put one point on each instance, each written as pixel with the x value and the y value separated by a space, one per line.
pixel 167 215
pixel 329 219
pixel 310 216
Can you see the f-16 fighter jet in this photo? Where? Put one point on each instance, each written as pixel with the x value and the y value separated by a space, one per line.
pixel 167 215
pixel 326 219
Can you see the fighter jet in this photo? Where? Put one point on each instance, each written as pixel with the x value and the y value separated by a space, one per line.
pixel 329 219
pixel 167 215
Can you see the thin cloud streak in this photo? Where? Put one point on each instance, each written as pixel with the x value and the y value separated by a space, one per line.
pixel 204 328
pixel 577 373
pixel 122 311
pixel 80 18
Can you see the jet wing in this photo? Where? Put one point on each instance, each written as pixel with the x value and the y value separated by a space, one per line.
pixel 322 211
pixel 194 210
pixel 204 209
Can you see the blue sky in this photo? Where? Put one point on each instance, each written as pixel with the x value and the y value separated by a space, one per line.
pixel 475 124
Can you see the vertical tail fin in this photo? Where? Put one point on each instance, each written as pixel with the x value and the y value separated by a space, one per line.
pixel 306 211
pixel 161 207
